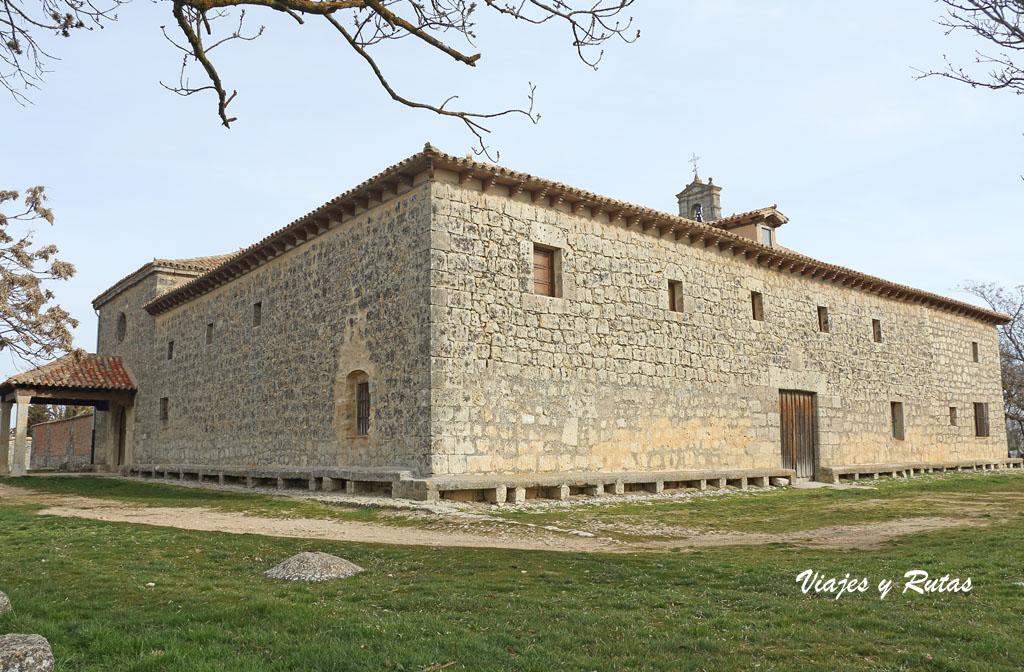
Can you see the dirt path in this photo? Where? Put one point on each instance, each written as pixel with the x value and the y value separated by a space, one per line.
pixel 868 536
pixel 462 532
pixel 308 528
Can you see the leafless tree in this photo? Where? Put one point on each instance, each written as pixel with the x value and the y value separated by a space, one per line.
pixel 38 413
pixel 22 26
pixel 1011 346
pixel 999 22
pixel 31 328
pixel 201 26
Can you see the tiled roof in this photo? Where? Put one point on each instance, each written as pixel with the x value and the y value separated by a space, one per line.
pixel 769 215
pixel 399 179
pixel 195 263
pixel 195 266
pixel 78 371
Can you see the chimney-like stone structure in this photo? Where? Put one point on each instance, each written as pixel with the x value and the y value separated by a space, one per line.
pixel 700 201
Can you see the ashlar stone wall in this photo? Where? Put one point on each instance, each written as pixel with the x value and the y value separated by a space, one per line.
pixel 606 378
pixel 348 305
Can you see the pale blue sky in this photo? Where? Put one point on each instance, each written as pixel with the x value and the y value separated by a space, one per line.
pixel 810 105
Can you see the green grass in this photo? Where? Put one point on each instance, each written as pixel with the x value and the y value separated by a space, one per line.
pixel 778 511
pixel 142 493
pixel 82 584
pixel 790 509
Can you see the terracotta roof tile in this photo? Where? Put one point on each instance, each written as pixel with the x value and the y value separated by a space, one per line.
pixel 84 371
pixel 769 214
pixel 626 214
pixel 194 266
pixel 196 263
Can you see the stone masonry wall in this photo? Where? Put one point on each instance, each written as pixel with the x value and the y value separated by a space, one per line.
pixel 354 299
pixel 606 378
pixel 62 444
pixel 136 347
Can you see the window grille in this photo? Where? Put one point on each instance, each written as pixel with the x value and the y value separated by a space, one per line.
pixel 363 409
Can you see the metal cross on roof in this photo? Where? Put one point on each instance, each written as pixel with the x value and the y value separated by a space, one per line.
pixel 694 159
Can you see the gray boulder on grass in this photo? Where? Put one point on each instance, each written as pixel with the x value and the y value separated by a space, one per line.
pixel 313 566
pixel 25 653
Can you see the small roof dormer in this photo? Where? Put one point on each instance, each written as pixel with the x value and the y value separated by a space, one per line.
pixel 758 225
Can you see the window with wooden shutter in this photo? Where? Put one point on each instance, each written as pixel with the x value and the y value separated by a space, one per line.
pixel 673 296
pixel 543 271
pixel 980 419
pixel 974 350
pixel 876 330
pixel 897 420
pixel 757 304
pixel 823 319
pixel 363 409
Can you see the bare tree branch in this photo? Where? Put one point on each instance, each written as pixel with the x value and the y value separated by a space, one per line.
pixel 438 24
pixel 23 23
pixel 999 22
pixel 471 119
pixel 1011 344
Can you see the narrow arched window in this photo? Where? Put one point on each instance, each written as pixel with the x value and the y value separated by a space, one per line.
pixel 358 404
pixel 122 327
pixel 363 409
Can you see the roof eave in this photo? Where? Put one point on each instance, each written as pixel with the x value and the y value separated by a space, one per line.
pixel 138 276
pixel 345 206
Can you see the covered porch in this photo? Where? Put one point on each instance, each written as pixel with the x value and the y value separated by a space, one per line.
pixel 77 379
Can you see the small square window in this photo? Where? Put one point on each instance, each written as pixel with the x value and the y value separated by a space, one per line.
pixel 257 313
pixel 876 330
pixel 766 236
pixel 757 304
pixel 897 420
pixel 164 409
pixel 981 419
pixel 952 416
pixel 209 333
pixel 823 324
pixel 170 349
pixel 674 296
pixel 974 350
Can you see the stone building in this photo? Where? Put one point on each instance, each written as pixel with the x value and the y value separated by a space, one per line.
pixel 457 329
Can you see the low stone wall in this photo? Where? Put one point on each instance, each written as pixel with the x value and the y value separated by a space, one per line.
pixel 497 489
pixel 908 469
pixel 62 444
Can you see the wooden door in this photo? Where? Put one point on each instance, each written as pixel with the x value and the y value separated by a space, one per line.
pixel 799 451
pixel 122 430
